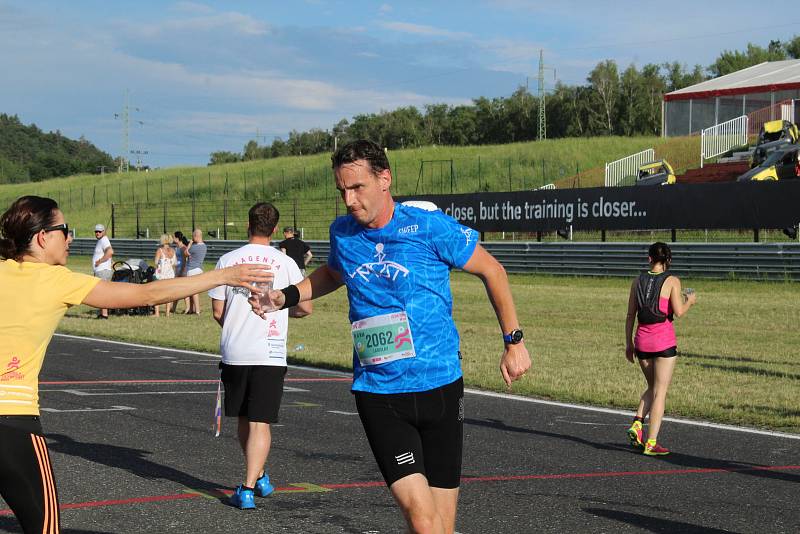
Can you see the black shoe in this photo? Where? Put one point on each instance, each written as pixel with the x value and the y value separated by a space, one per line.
pixel 102 317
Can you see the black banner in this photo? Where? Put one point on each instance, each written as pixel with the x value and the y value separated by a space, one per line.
pixel 719 205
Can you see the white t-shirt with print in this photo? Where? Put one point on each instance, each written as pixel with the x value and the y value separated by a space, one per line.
pixel 247 339
pixel 99 249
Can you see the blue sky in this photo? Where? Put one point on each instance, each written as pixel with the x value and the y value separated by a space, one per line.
pixel 207 76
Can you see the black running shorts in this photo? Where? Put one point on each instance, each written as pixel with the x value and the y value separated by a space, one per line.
pixel 26 475
pixel 666 353
pixel 416 433
pixel 253 391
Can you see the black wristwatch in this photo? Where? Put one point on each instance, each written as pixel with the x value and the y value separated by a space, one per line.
pixel 514 337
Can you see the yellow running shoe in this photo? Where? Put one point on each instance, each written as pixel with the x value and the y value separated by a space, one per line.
pixel 635 435
pixel 652 448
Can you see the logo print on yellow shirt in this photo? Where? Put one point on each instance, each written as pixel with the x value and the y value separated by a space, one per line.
pixel 12 370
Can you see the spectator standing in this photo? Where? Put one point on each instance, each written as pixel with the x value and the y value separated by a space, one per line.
pixel 296 248
pixel 181 246
pixel 254 352
pixel 197 255
pixel 165 261
pixel 101 260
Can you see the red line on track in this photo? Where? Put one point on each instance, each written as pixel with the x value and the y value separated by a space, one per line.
pixel 187 381
pixel 499 478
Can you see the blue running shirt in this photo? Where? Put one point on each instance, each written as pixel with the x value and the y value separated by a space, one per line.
pixel 405 266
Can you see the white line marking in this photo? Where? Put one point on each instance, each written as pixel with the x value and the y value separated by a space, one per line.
pixel 112 392
pixel 184 351
pixel 592 424
pixel 506 396
pixel 141 357
pixel 112 409
pixel 337 412
pixel 120 394
pixel 625 413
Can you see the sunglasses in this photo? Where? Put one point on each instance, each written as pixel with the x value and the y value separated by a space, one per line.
pixel 64 227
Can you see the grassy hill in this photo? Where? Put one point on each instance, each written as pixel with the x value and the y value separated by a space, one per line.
pixel 296 183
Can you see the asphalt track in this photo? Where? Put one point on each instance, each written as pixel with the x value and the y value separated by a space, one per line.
pixel 129 430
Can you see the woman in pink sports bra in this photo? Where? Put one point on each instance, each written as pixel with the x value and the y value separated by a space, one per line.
pixel 655 297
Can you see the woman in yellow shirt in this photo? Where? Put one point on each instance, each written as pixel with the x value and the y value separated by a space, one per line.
pixel 35 291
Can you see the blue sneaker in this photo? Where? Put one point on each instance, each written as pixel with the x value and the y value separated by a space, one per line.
pixel 263 487
pixel 243 499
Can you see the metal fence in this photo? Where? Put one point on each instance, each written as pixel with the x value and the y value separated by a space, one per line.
pixel 617 171
pixel 723 137
pixel 752 261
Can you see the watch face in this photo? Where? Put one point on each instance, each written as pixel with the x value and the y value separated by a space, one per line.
pixel 516 336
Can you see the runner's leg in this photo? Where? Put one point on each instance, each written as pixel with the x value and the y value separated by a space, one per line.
pixel 663 376
pixel 418 504
pixel 255 439
pixel 26 481
pixel 646 400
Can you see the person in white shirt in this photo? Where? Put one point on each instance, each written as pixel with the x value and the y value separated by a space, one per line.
pixel 101 260
pixel 254 351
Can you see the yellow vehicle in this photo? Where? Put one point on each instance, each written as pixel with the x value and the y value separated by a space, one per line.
pixel 779 165
pixel 774 135
pixel 656 173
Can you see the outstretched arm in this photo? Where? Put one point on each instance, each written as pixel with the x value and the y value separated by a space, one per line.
pixel 121 295
pixel 515 360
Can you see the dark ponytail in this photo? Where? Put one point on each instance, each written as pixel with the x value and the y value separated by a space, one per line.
pixel 660 253
pixel 23 219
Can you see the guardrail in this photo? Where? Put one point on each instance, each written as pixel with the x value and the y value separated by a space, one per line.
pixel 723 137
pixel 755 261
pixel 617 171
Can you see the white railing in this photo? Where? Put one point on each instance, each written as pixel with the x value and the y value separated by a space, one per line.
pixel 616 171
pixel 547 186
pixel 721 138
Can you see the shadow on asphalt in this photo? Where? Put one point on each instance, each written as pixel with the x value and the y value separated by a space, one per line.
pixel 652 524
pixel 10 524
pixel 132 460
pixel 676 458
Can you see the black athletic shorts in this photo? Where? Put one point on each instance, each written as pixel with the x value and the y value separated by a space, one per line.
pixel 416 433
pixel 26 476
pixel 666 353
pixel 253 391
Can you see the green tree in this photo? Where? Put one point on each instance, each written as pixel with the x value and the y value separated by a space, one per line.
pixel 604 81
pixel 731 61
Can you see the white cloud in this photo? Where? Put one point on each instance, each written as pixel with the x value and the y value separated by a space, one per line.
pixel 230 21
pixel 192 7
pixel 421 29
pixel 384 9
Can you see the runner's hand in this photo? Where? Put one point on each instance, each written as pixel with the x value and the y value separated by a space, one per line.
pixel 515 363
pixel 276 298
pixel 246 275
pixel 629 353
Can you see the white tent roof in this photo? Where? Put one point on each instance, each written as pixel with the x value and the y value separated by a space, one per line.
pixel 764 77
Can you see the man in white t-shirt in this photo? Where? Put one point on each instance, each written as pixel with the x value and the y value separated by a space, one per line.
pixel 254 351
pixel 101 260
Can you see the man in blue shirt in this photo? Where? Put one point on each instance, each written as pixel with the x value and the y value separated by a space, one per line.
pixel 395 261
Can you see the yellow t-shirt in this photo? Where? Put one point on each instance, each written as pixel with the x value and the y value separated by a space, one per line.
pixel 33 299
